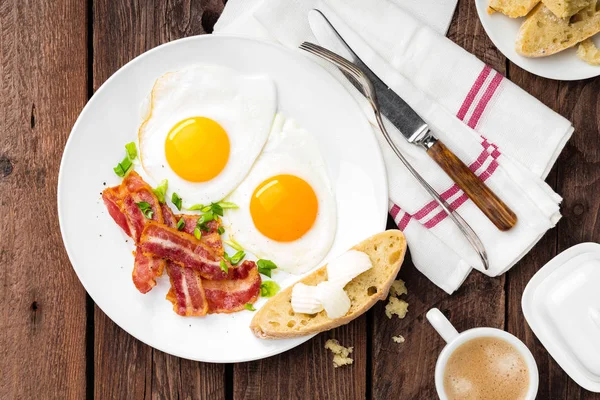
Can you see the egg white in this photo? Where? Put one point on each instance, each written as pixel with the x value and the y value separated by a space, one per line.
pixel 243 105
pixel 289 150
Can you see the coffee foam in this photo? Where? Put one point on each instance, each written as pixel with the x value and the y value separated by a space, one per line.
pixel 486 368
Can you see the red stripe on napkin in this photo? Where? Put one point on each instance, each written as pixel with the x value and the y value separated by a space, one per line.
pixel 487 96
pixel 473 92
pixel 480 107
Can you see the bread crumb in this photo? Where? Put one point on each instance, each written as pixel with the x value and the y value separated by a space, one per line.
pixel 398 339
pixel 588 52
pixel 340 353
pixel 396 306
pixel 398 288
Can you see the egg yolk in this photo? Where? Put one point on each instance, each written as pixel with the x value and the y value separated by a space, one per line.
pixel 284 207
pixel 197 149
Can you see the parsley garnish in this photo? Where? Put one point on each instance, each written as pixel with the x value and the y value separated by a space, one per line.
pixel 269 288
pixel 236 258
pixel 224 266
pixel 161 190
pixel 176 200
pixel 221 230
pixel 146 209
pixel 265 267
pixel 180 224
pixel 249 307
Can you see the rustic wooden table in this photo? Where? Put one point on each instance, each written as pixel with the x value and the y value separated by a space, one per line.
pixel 55 343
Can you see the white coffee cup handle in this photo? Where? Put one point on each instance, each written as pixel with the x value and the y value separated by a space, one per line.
pixel 441 324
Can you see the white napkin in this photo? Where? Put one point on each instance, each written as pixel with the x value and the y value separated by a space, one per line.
pixel 508 138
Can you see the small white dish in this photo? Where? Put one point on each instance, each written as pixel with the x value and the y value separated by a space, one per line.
pixel 561 304
pixel 101 253
pixel 454 339
pixel 564 66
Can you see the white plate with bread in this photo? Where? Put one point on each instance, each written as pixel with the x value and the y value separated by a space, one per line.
pixel 531 35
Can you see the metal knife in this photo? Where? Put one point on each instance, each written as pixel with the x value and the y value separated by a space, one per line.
pixel 416 130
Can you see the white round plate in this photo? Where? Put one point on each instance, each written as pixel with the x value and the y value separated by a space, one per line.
pixel 99 250
pixel 563 66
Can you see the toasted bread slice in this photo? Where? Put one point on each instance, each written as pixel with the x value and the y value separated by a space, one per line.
pixel 588 52
pixel 543 33
pixel 512 8
pixel 277 320
pixel 566 8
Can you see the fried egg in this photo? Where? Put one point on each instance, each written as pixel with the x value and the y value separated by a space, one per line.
pixel 287 210
pixel 205 127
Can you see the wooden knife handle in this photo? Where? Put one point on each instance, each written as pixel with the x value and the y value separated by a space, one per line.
pixel 493 208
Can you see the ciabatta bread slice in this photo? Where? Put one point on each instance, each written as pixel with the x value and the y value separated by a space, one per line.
pixel 543 33
pixel 566 8
pixel 512 8
pixel 277 320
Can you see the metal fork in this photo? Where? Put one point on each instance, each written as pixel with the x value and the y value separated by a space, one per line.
pixel 364 85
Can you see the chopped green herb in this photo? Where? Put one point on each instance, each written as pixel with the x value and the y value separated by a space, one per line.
pixel 269 288
pixel 161 191
pixel 146 209
pixel 236 258
pixel 249 307
pixel 221 230
pixel 197 233
pixel 227 204
pixel 180 224
pixel 123 167
pixel 176 200
pixel 216 209
pixel 131 150
pixel 224 266
pixel 265 267
pixel 233 244
pixel 204 219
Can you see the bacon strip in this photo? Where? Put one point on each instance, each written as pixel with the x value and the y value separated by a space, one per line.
pixel 211 238
pixel 185 250
pixel 145 271
pixel 112 200
pixel 198 285
pixel 232 295
pixel 121 204
pixel 186 293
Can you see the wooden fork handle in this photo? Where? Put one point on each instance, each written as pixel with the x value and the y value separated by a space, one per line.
pixel 493 208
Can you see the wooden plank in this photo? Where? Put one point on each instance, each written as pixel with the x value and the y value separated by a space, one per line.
pixel 579 180
pixel 42 304
pixel 406 371
pixel 125 367
pixel 307 372
pixel 552 379
pixel 575 177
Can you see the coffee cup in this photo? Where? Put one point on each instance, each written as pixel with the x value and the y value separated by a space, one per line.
pixel 454 340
